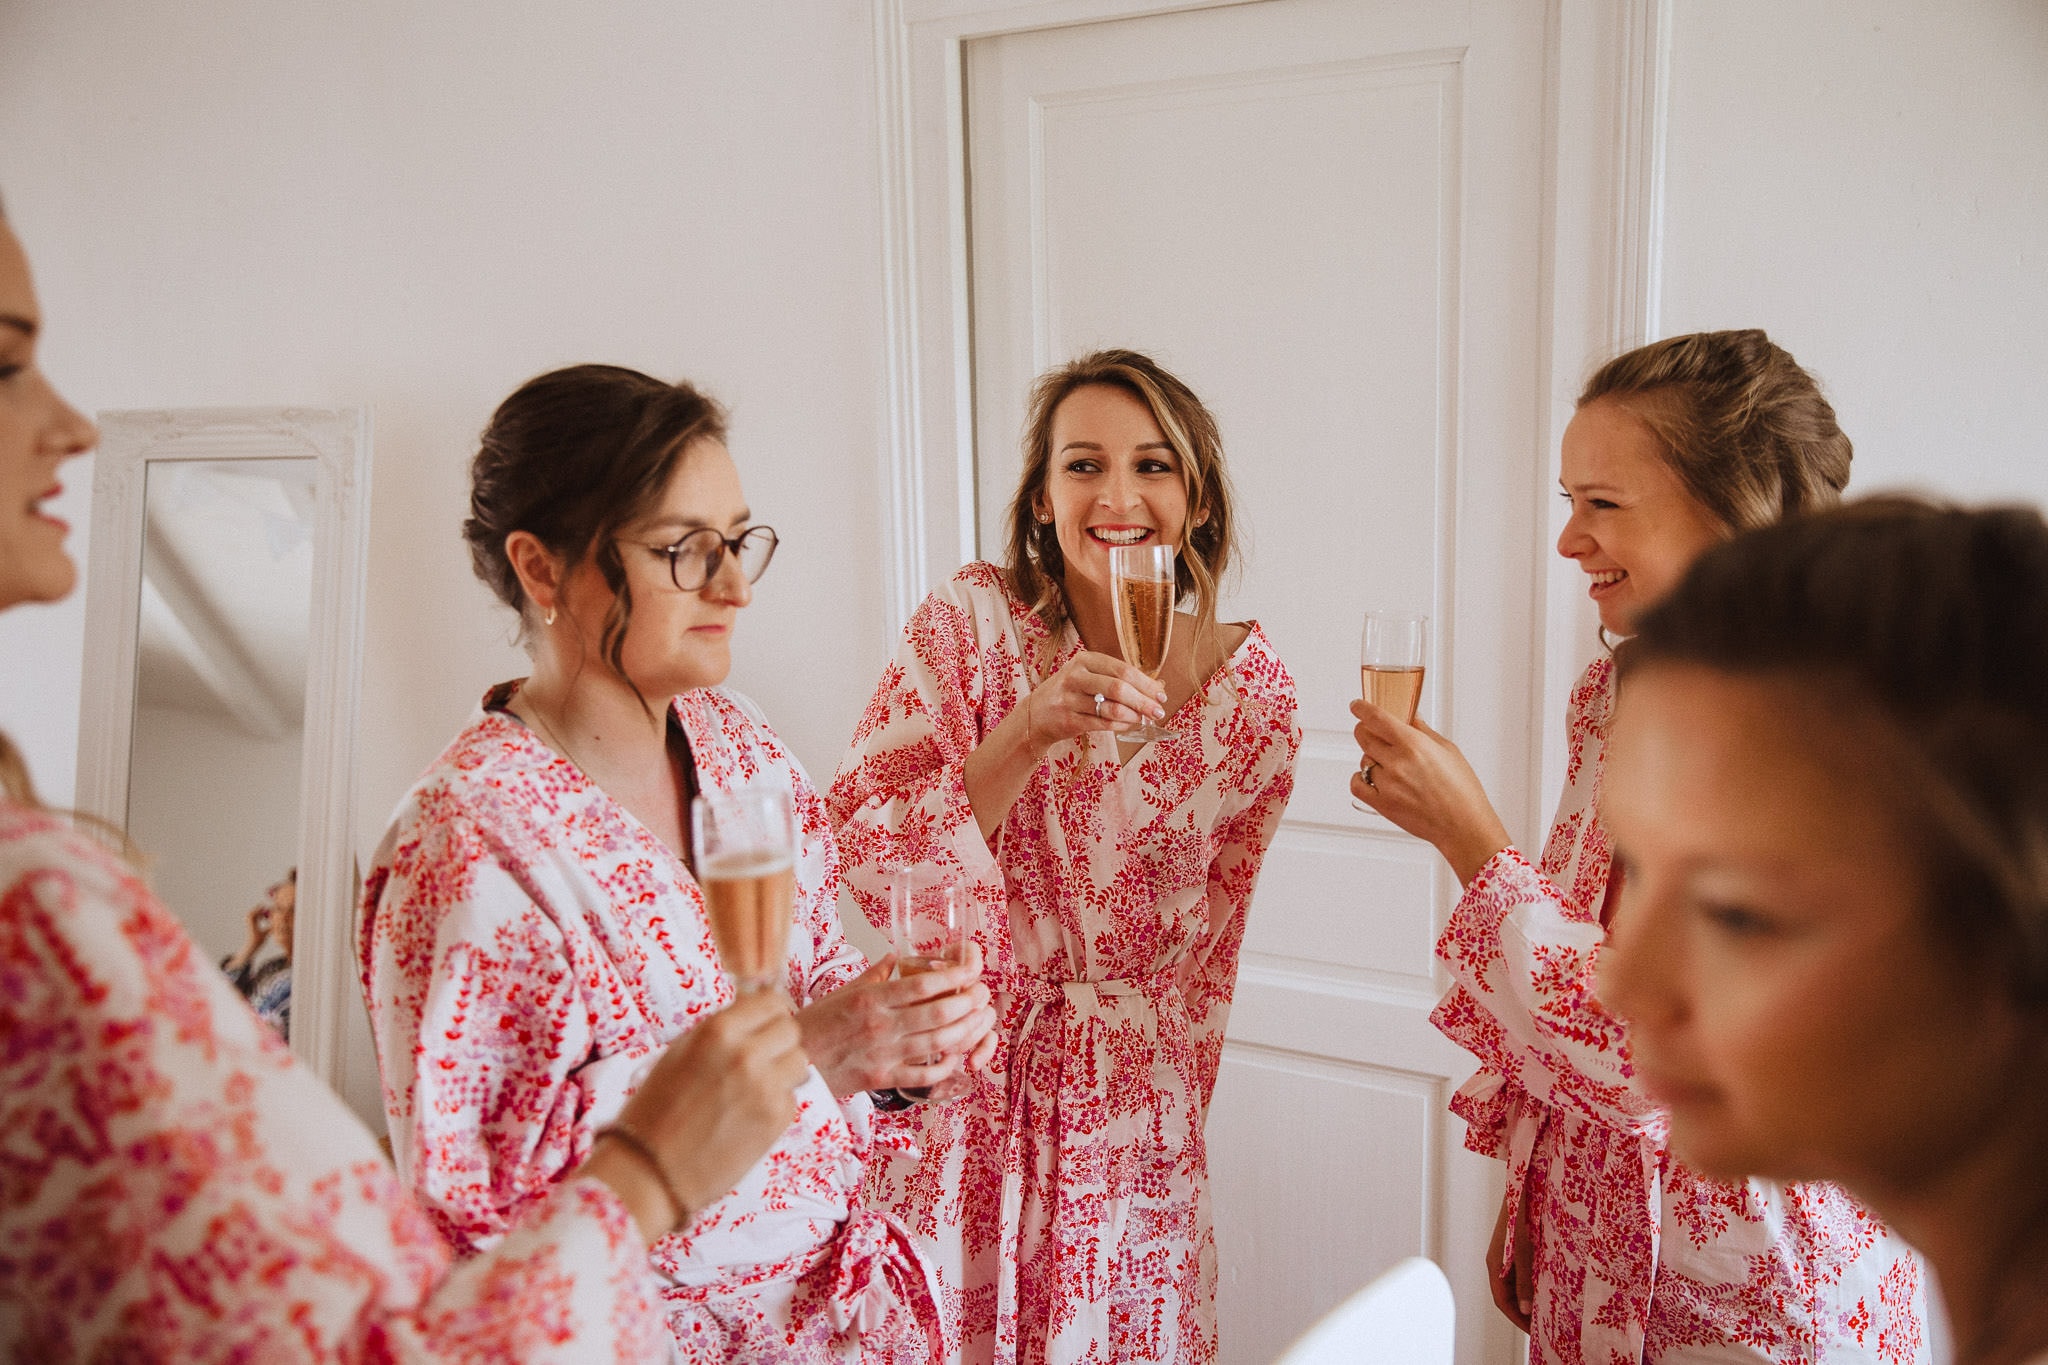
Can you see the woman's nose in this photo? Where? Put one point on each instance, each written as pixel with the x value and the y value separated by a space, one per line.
pixel 729 583
pixel 69 431
pixel 1572 541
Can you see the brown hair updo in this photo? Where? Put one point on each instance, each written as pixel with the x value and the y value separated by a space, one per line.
pixel 1035 567
pixel 571 458
pixel 1934 618
pixel 1746 429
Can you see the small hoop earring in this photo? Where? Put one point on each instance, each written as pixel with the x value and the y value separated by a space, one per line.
pixel 549 619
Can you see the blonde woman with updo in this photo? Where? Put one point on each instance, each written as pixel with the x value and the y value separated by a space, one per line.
pixel 1065 1203
pixel 1609 1248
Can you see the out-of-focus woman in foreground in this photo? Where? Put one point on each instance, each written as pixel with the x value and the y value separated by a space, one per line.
pixel 174 1186
pixel 1829 785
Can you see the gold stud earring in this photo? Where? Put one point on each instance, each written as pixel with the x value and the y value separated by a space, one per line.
pixel 549 619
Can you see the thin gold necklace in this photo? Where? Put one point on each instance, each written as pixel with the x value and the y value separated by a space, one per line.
pixel 546 729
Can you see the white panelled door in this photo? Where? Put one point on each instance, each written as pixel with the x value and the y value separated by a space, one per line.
pixel 1326 216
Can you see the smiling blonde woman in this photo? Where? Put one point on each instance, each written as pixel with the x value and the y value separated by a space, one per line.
pixel 1065 1204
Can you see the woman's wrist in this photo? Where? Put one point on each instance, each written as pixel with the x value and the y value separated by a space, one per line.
pixel 1476 851
pixel 625 1163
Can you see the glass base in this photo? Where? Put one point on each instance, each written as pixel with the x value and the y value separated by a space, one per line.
pixel 1143 733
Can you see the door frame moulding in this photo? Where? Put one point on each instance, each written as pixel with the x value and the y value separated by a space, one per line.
pixel 927 445
pixel 1608 116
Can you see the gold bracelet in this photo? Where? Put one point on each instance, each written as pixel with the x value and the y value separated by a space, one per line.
pixel 637 1145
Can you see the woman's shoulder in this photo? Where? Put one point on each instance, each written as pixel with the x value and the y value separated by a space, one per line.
pixel 36 842
pixel 104 941
pixel 1260 674
pixel 1592 698
pixel 487 771
pixel 973 611
pixel 980 578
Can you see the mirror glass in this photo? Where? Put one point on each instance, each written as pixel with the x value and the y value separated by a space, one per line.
pixel 220 688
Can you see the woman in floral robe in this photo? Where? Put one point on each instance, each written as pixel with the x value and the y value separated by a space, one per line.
pixel 1065 1203
pixel 175 1186
pixel 179 1188
pixel 1609 1249
pixel 533 929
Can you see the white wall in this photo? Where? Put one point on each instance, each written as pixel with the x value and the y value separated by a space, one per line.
pixel 419 206
pixel 1868 181
pixel 217 812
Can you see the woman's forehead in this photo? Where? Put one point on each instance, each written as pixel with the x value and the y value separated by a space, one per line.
pixel 703 489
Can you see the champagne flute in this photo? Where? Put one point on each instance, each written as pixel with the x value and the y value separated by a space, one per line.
pixel 1141 582
pixel 746 862
pixel 931 922
pixel 1390 652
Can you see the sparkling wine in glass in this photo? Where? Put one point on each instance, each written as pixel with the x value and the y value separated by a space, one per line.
pixel 1390 657
pixel 745 842
pixel 931 922
pixel 1141 581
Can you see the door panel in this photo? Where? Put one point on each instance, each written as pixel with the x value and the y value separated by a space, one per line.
pixel 1286 203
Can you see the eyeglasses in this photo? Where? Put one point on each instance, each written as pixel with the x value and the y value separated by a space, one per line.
pixel 694 560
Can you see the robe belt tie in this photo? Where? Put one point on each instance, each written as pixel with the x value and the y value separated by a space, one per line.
pixel 1105 1117
pixel 877 1270
pixel 870 1268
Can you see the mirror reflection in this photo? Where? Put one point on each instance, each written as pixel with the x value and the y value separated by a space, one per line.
pixel 227 580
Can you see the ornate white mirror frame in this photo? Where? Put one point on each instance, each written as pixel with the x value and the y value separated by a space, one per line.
pixel 338 440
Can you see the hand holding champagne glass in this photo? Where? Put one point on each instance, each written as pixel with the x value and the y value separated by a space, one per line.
pixel 1390 667
pixel 1142 583
pixel 931 923
pixel 745 843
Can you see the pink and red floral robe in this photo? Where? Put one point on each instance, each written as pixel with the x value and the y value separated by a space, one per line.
pixel 1637 1257
pixel 1066 1203
pixel 528 947
pixel 175 1186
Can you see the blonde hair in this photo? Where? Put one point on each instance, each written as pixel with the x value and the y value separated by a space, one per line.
pixel 14 779
pixel 1034 566
pixel 1745 428
pixel 20 788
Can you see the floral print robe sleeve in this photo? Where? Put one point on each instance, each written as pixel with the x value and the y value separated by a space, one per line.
pixel 175 1186
pixel 1065 1205
pixel 528 947
pixel 1638 1258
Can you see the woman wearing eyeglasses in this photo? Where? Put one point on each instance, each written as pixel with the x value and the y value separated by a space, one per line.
pixel 533 931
